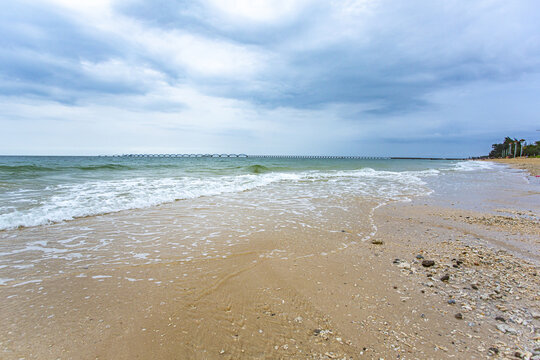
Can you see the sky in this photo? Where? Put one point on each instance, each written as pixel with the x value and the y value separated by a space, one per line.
pixel 351 77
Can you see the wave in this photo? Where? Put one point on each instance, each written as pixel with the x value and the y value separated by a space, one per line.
pixel 16 169
pixel 70 201
pixel 104 167
pixel 24 168
pixel 257 169
pixel 474 165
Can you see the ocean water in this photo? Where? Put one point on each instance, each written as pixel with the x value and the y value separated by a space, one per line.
pixel 43 190
pixel 62 215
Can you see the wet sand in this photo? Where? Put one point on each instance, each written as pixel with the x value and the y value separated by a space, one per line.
pixel 532 165
pixel 303 293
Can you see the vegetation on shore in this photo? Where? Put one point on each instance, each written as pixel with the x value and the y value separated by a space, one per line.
pixel 514 148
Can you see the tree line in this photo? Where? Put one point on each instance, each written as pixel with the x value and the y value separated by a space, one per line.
pixel 514 148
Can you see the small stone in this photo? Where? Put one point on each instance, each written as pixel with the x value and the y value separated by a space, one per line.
pixel 500 318
pixel 535 314
pixel 493 350
pixel 451 301
pixel 445 277
pixel 428 263
pixel 507 329
pixel 222 352
pixel 376 242
pixel 404 265
pixel 474 287
pixel 419 257
pixel 459 316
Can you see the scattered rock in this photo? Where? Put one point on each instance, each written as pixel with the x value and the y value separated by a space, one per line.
pixel 376 242
pixel 428 263
pixel 404 265
pixel 507 329
pixel 419 257
pixel 493 351
pixel 474 287
pixel 451 301
pixel 445 277
pixel 459 316
pixel 500 318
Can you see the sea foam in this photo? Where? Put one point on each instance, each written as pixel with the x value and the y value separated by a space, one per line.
pixel 68 201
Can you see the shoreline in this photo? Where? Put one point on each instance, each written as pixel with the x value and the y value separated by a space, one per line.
pixel 532 165
pixel 304 292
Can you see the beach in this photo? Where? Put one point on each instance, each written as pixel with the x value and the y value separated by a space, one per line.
pixel 532 165
pixel 311 266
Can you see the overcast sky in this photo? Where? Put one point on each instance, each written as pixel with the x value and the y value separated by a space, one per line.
pixel 364 77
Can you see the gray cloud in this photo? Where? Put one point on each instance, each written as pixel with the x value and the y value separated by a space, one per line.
pixel 383 62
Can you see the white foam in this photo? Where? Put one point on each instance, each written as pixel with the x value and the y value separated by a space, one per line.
pixel 474 165
pixel 4 281
pixel 99 197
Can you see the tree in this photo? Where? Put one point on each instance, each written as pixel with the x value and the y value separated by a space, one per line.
pixel 532 149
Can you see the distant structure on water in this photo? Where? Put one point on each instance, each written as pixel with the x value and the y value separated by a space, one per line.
pixel 275 156
pixel 245 156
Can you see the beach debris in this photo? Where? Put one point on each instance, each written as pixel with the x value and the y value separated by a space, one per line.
pixel 428 263
pixel 459 316
pixel 419 257
pixel 377 242
pixel 451 301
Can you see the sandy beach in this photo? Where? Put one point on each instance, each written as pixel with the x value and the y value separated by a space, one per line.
pixel 430 281
pixel 532 165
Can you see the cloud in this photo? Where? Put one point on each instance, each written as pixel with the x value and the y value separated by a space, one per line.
pixel 336 72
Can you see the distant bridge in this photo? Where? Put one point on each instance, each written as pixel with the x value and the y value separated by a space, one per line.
pixel 183 155
pixel 250 156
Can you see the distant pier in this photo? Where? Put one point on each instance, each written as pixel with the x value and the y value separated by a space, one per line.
pixel 278 156
pixel 250 156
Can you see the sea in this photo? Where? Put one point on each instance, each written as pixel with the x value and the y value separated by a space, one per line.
pixel 62 214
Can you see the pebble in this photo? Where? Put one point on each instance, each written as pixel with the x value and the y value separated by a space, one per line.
pixel 376 242
pixel 445 277
pixel 451 301
pixel 507 329
pixel 459 316
pixel 428 263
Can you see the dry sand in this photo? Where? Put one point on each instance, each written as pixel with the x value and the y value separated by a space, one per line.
pixel 532 165
pixel 300 294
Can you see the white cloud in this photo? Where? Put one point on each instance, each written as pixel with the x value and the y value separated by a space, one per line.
pixel 258 11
